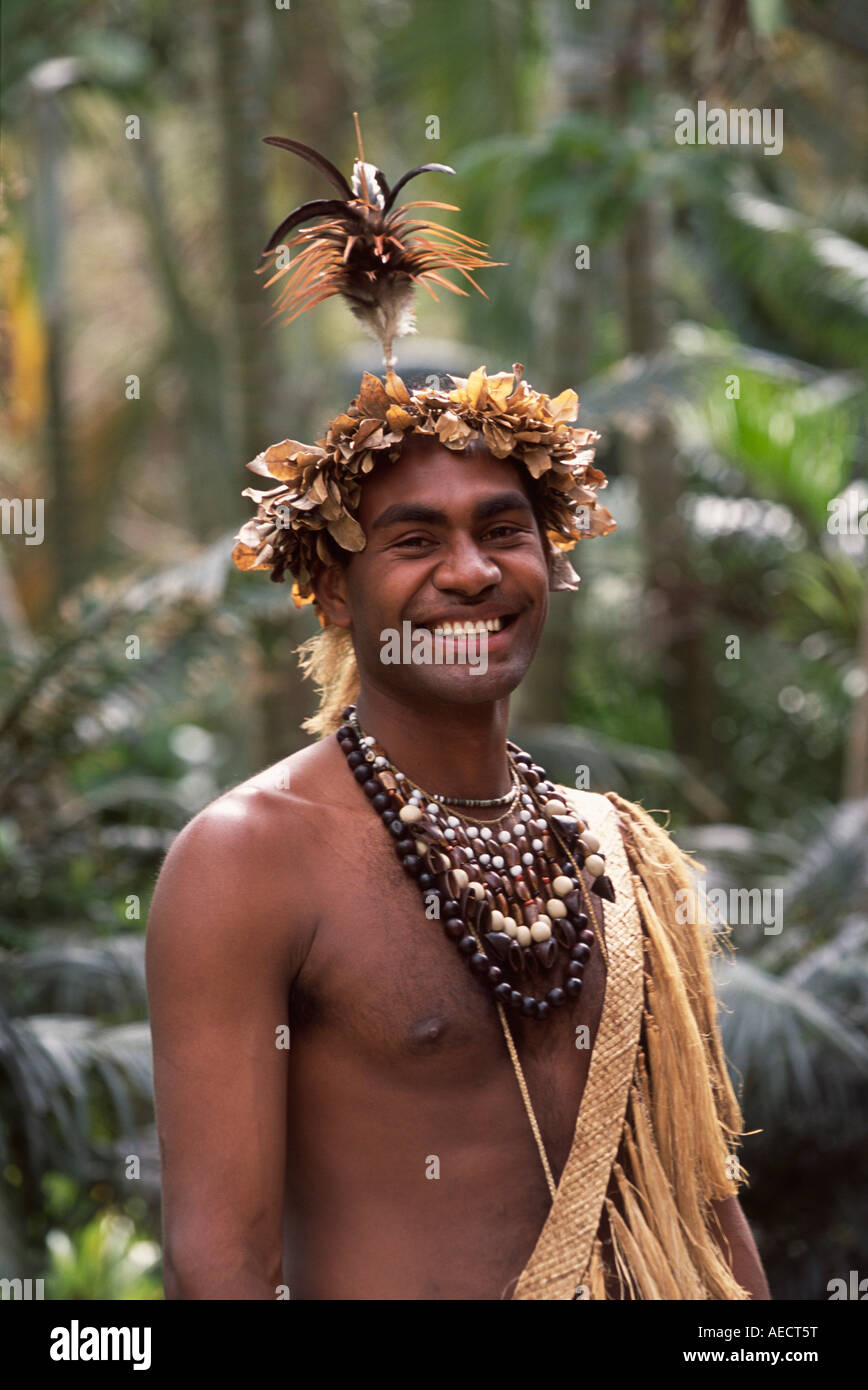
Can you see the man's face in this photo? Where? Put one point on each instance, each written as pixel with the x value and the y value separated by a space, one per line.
pixel 450 538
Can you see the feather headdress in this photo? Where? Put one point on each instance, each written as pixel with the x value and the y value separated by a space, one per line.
pixel 368 250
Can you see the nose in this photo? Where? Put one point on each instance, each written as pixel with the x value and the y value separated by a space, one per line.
pixel 465 568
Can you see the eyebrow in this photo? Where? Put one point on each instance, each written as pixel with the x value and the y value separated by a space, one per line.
pixel 431 516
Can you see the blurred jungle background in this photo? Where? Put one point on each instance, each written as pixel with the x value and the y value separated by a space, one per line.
pixel 710 305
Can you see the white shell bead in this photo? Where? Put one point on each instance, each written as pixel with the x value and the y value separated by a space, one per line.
pixel 516 871
pixel 590 842
pixel 421 847
pixel 510 927
pixel 497 919
pixel 536 845
pixel 504 837
pixel 555 807
pixel 524 816
pixel 410 814
pixel 462 878
pixel 453 821
pixel 555 908
pixel 562 885
pixel 498 861
pixel 595 865
pixel 485 833
pixel 527 859
pixel 540 931
pixel 523 936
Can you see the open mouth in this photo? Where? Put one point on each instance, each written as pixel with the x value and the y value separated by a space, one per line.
pixel 487 625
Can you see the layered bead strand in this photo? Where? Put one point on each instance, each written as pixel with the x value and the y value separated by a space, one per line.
pixel 508 896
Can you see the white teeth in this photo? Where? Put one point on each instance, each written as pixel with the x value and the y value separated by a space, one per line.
pixel 483 625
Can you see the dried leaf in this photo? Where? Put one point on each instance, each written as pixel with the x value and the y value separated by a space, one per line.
pixel 347 532
pixel 564 407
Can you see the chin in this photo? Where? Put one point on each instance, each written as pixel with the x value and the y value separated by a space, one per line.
pixel 460 686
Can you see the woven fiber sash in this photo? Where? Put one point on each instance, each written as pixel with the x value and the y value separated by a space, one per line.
pixel 563 1250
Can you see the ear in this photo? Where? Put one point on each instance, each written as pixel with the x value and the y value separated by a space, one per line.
pixel 330 588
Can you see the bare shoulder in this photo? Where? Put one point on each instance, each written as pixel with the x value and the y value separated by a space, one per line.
pixel 230 881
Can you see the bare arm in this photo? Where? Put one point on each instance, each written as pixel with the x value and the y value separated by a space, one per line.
pixel 734 1237
pixel 218 973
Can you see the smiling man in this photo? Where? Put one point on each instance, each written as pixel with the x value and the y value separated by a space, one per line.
pixel 425 1025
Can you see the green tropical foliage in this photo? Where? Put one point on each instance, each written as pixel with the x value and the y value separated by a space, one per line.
pixel 716 661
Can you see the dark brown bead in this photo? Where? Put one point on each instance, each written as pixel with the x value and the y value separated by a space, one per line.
pixel 581 952
pixel 467 945
pixel 388 781
pixel 564 932
pixel 406 845
pixel 361 773
pixel 492 881
pixel 503 992
pixel 587 936
pixel 573 988
pixel 528 1006
pixel 426 883
pixel 381 801
pixel 412 863
pixel 542 1010
pixel 531 777
pixel 501 903
pixel 355 759
pixel 603 888
pixel 454 927
pixel 495 975
pixel 482 916
pixel 371 788
pixel 549 846
pixel 576 969
pixel 522 891
pixel 556 997
pixel 532 881
pixel 516 957
pixel 510 854
pixel 436 862
pixel 546 953
pixel 530 913
pixel 515 999
pixel 479 963
pixel 499 943
pixel 450 908
pixel 530 960
pixel 567 826
pixel 572 902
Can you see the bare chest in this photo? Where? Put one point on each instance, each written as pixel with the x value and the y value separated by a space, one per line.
pixel 385 993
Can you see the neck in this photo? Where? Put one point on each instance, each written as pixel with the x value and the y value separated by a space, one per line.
pixel 453 750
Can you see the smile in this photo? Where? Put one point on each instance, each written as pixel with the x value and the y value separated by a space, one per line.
pixel 454 629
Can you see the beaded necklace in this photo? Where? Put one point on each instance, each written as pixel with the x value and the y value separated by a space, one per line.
pixel 509 899
pixel 517 889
